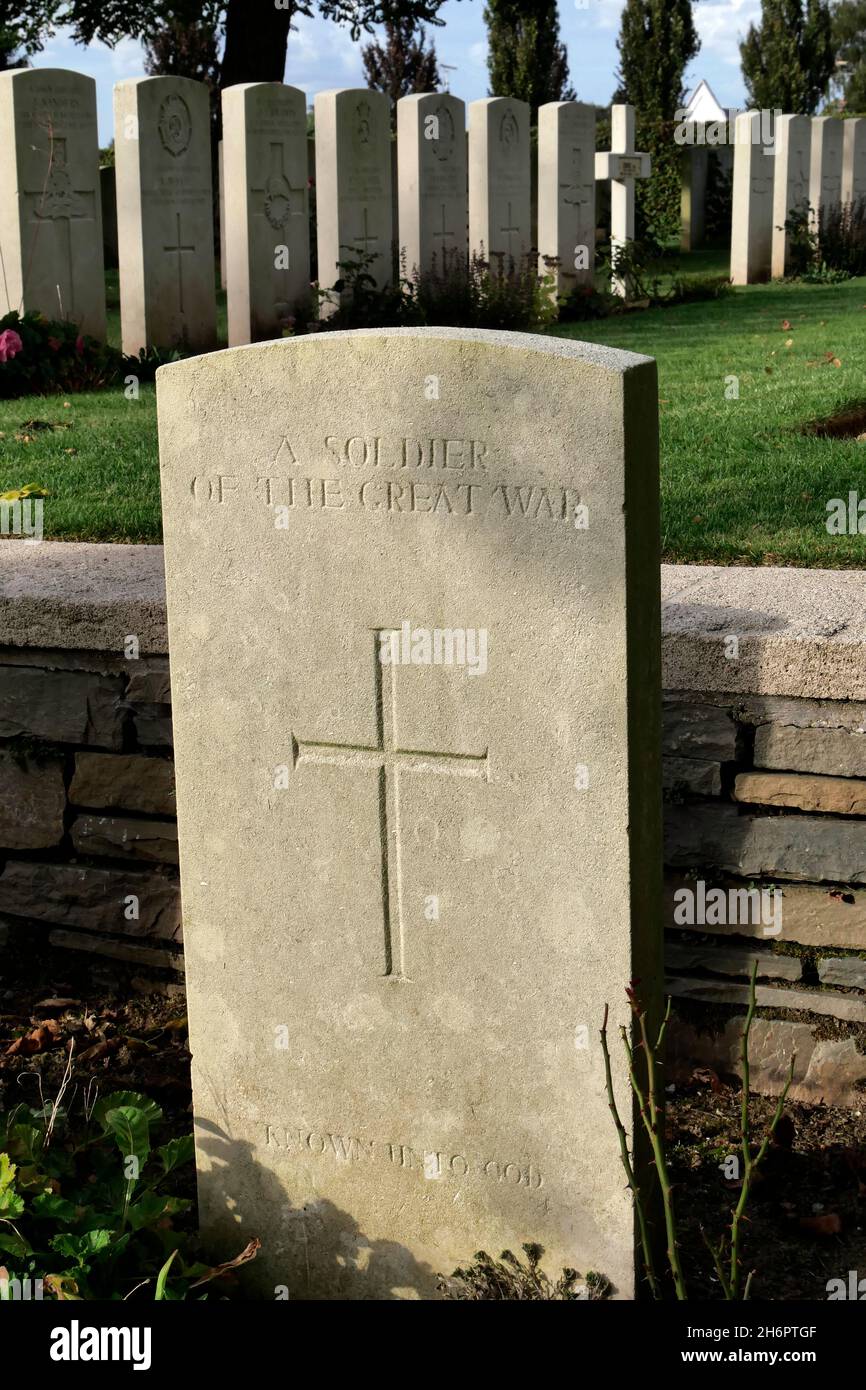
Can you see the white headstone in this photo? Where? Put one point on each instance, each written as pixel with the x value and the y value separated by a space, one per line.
pixel 222 216
pixel 752 209
pixel 566 191
pixel 793 136
pixel 165 213
pixel 51 253
pixel 622 164
pixel 432 180
pixel 825 173
pixel 267 227
pixel 853 160
pixel 499 177
pixel 694 173
pixel 415 674
pixel 354 205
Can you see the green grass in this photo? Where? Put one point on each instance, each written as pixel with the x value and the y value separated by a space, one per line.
pixel 740 483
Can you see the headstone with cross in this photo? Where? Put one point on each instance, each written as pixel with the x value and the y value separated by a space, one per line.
pixel 566 194
pixel 267 224
pixel 431 181
pixel 853 159
pixel 752 205
pixel 165 214
pixel 415 671
pixel 790 169
pixel 622 164
pixel 51 255
pixel 500 216
pixel 354 201
pixel 825 170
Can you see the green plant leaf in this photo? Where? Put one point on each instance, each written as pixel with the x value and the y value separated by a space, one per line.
pixel 162 1278
pixel 130 1128
pixel 81 1248
pixel 49 1206
pixel 10 1203
pixel 14 1244
pixel 119 1100
pixel 176 1152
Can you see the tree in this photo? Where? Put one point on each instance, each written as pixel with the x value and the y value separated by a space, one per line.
pixel 402 64
pixel 526 58
pixel 256 31
pixel 849 45
pixel 23 30
pixel 788 59
pixel 186 46
pixel 657 41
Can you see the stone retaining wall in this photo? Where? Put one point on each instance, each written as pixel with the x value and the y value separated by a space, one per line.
pixel 764 737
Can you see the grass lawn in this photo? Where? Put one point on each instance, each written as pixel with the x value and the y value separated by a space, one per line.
pixel 740 483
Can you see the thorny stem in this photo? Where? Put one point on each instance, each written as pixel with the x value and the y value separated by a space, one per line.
pixel 649 1264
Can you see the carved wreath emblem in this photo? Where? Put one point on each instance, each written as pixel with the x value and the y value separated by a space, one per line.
pixel 509 130
pixel 443 145
pixel 175 125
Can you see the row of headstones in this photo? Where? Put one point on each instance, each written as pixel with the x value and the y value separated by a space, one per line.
pixel 813 163
pixel 453 194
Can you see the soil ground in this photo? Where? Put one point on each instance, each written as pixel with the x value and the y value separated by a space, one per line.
pixel 807 1215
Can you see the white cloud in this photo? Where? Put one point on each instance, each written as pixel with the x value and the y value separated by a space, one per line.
pixel 722 26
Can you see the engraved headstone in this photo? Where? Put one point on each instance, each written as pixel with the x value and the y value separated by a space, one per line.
pixel 566 191
pixel 622 164
pixel 694 173
pixel 853 159
pixel 165 213
pixel 790 183
pixel 431 180
pixel 354 203
pixel 752 207
pixel 51 256
pixel 500 219
pixel 221 227
pixel 267 231
pixel 415 672
pixel 825 172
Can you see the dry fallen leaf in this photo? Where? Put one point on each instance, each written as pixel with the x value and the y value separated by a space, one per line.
pixel 785 325
pixel 829 1225
pixel 248 1253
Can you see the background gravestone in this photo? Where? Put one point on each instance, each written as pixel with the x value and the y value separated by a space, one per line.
pixel 499 176
pixel 267 226
pixel 50 203
pixel 431 179
pixel 793 136
pixel 409 889
pixel 853 160
pixel 354 188
pixel 825 173
pixel 752 209
pixel 165 213
pixel 566 191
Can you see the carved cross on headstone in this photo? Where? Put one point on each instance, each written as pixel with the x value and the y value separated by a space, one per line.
pixel 279 198
pixel 59 204
pixel 392 761
pixel 365 240
pixel 622 164
pixel 180 251
pixel 509 230
pixel 444 232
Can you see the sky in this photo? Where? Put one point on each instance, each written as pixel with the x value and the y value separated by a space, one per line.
pixel 322 55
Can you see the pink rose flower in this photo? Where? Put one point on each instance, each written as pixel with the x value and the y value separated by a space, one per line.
pixel 54 344
pixel 79 345
pixel 10 344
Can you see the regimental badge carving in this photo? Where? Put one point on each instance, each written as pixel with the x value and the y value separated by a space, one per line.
pixel 363 123
pixel 443 146
pixel 59 197
pixel 509 130
pixel 175 125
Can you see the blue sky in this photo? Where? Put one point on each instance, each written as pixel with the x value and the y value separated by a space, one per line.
pixel 322 55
